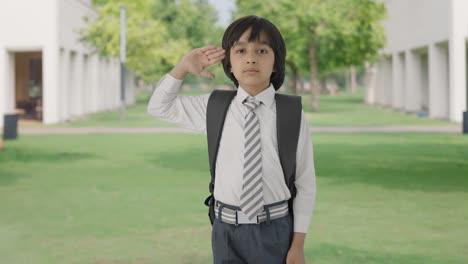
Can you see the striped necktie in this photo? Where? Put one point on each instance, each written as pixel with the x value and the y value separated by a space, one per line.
pixel 252 186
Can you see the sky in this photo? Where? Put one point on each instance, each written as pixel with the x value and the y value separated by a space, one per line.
pixel 224 8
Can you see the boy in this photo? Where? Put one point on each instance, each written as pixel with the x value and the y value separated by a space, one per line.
pixel 249 177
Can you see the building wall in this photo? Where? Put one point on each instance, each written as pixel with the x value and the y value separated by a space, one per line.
pixel 427 40
pixel 457 59
pixel 76 81
pixel 27 24
pixel 17 35
pixel 89 83
pixel 415 23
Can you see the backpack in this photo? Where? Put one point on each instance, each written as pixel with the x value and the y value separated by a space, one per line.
pixel 288 123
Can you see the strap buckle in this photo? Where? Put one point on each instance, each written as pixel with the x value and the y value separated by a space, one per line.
pixel 243 219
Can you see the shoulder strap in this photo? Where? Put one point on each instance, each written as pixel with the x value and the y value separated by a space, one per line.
pixel 288 125
pixel 218 104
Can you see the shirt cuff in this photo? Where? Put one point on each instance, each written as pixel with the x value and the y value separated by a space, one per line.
pixel 301 223
pixel 170 83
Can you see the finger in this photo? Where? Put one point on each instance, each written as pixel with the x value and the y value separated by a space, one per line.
pixel 216 54
pixel 215 60
pixel 207 48
pixel 212 51
pixel 207 74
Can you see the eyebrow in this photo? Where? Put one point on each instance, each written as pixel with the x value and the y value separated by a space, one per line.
pixel 243 43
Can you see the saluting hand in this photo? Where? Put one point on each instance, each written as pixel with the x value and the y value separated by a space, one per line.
pixel 197 60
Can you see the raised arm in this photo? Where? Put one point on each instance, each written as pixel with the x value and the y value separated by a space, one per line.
pixel 185 111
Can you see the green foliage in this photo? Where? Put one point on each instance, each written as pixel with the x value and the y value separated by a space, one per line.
pixel 189 20
pixel 194 22
pixel 351 36
pixel 159 32
pixel 344 32
pixel 281 14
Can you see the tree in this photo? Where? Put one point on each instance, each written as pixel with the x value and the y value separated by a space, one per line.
pixel 159 32
pixel 331 34
pixel 279 13
pixel 195 22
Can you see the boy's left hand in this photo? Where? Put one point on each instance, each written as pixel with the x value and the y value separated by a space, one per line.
pixel 295 256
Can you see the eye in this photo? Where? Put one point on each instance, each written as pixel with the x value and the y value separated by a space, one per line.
pixel 240 51
pixel 263 51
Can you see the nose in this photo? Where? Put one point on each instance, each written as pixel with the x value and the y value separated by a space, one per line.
pixel 251 58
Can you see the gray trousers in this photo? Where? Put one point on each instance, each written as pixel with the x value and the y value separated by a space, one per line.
pixel 252 243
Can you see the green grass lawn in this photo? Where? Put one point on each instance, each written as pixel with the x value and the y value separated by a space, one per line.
pixel 343 110
pixel 382 198
pixel 349 110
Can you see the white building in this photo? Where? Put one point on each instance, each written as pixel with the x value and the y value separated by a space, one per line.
pixel 46 73
pixel 424 65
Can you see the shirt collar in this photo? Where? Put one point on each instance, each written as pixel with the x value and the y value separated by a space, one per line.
pixel 267 96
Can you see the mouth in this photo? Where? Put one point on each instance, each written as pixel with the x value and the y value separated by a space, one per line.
pixel 251 71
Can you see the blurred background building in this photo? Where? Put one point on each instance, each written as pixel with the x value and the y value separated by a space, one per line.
pixel 46 73
pixel 423 68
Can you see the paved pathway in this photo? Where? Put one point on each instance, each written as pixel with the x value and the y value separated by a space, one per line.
pixel 116 130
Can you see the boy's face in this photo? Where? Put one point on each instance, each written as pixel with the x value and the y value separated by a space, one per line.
pixel 252 63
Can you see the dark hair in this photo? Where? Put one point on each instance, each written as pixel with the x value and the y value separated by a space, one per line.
pixel 273 37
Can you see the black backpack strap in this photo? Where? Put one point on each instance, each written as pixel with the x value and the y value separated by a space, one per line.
pixel 218 104
pixel 288 125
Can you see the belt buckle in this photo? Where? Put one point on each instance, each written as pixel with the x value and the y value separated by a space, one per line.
pixel 243 219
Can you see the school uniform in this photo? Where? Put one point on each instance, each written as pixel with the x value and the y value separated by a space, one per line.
pixel 268 241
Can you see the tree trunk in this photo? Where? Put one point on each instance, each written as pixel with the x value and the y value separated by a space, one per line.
pixel 294 82
pixel 353 80
pixel 348 81
pixel 314 86
pixel 293 79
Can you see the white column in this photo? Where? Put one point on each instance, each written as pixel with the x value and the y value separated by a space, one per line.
pixel 7 83
pixel 413 87
pixel 115 83
pixel 116 74
pixel 64 73
pixel 72 85
pixel 104 89
pixel 3 82
pixel 51 84
pixel 112 84
pixel 424 81
pixel 380 82
pixel 50 65
pixel 101 87
pixel 78 85
pixel 109 91
pixel 457 60
pixel 371 83
pixel 388 82
pixel 130 88
pixel 94 81
pixel 85 84
pixel 398 81
pixel 438 82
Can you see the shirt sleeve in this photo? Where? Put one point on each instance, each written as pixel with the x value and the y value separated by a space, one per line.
pixel 185 111
pixel 304 202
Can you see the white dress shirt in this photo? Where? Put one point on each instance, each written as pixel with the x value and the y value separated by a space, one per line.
pixel 190 112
